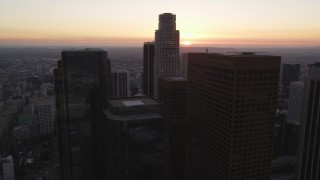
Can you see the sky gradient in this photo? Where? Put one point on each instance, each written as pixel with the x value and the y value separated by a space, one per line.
pixel 130 23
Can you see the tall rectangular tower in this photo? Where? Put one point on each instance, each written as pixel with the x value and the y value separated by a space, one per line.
pixel 173 93
pixel 148 68
pixel 184 65
pixel 295 101
pixel 231 112
pixel 167 44
pixel 308 166
pixel 119 84
pixel 81 85
pixel 46 116
pixel 290 73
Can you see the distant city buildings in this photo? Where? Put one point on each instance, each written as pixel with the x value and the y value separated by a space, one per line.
pixel 295 102
pixel 8 167
pixel 9 112
pixel 308 164
pixel 119 84
pixel 231 111
pixel 167 44
pixel 26 127
pixel 81 87
pixel 47 116
pixel 173 93
pixel 134 132
pixel 148 68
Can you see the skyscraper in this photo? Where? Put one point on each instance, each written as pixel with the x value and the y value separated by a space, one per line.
pixel 231 109
pixel 81 83
pixel 8 167
pixel 119 84
pixel 308 166
pixel 173 93
pixel 292 124
pixel 135 138
pixel 148 65
pixel 295 101
pixel 290 73
pixel 46 116
pixel 167 44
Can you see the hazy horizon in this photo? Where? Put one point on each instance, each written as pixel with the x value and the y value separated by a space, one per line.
pixel 201 23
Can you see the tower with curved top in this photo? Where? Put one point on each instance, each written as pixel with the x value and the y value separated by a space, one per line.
pixel 167 59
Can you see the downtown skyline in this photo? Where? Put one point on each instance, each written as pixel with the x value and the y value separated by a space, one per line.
pixel 201 23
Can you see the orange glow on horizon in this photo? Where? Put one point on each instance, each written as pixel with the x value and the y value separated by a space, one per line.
pixel 186 43
pixel 127 41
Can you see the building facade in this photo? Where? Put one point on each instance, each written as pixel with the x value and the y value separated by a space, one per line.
pixel 134 138
pixel 173 93
pixel 295 101
pixel 308 164
pixel 184 65
pixel 81 87
pixel 290 73
pixel 46 117
pixel 119 84
pixel 148 68
pixel 231 110
pixel 167 44
pixel 8 167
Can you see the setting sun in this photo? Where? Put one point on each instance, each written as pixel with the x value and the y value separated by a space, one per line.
pixel 186 43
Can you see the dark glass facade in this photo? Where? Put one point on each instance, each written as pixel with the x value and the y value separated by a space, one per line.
pixel 119 84
pixel 173 93
pixel 308 166
pixel 148 68
pixel 290 73
pixel 81 82
pixel 135 139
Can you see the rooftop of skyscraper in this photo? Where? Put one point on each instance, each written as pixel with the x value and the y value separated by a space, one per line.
pixel 133 101
pixel 239 54
pixel 133 108
pixel 131 117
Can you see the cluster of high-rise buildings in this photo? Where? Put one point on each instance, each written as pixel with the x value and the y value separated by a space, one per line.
pixel 216 120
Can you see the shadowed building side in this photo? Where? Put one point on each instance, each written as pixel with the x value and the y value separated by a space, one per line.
pixel 148 68
pixel 308 164
pixel 134 134
pixel 231 110
pixel 81 83
pixel 119 84
pixel 173 93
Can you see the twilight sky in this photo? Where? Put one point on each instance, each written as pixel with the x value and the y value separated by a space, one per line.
pixel 131 22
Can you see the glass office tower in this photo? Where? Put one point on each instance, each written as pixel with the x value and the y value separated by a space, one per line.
pixel 81 82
